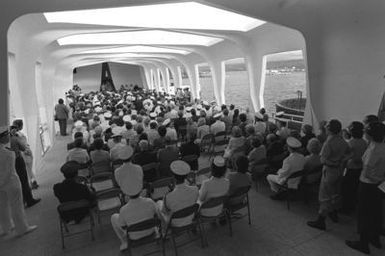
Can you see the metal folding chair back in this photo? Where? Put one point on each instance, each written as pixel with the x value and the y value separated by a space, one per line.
pixel 159 188
pixel 173 231
pixel 72 207
pixel 109 200
pixel 142 226
pixel 102 182
pixel 100 167
pixel 151 166
pixel 237 201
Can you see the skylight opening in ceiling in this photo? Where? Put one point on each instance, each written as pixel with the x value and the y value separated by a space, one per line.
pixel 138 49
pixel 187 15
pixel 145 37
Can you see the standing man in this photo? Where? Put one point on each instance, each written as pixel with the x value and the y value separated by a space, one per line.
pixel 11 200
pixel 334 154
pixel 61 115
pixel 18 147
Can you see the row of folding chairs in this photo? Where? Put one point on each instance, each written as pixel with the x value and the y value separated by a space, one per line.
pixel 230 205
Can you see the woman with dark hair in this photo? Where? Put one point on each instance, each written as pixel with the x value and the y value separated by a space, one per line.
pixel 351 177
pixel 236 120
pixel 369 217
pixel 216 186
pixel 241 178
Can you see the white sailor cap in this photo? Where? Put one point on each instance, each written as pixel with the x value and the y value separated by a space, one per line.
pixel 98 109
pixel 217 115
pixel 134 112
pixel 126 118
pixel 166 122
pixel 199 106
pixel 180 167
pixel 219 161
pixel 153 114
pixel 126 153
pixel 78 124
pixel 188 109
pixel 107 115
pixel 87 111
pixel 280 113
pixel 205 103
pixel 293 142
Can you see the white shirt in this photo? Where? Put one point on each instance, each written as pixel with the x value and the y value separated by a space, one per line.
pixel 213 187
pixel 127 173
pixel 218 126
pixel 293 163
pixel 171 133
pixel 135 211
pixel 116 149
pixel 181 197
pixel 79 155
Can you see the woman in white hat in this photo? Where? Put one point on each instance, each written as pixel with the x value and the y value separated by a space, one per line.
pixel 180 197
pixel 293 163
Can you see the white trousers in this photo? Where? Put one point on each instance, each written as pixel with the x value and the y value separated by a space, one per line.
pixel 28 165
pixel 121 233
pixel 273 182
pixel 12 207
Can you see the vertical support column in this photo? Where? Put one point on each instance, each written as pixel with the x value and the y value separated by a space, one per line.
pixel 219 76
pixel 167 78
pixel 198 84
pixel 179 77
pixel 158 80
pixel 4 89
pixel 190 69
pixel 143 77
pixel 256 68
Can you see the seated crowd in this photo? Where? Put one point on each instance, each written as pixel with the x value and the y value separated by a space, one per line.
pixel 135 128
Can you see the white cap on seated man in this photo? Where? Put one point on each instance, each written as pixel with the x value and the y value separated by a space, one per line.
pixel 180 197
pixel 136 210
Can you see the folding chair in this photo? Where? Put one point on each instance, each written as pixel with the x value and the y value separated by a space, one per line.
pixel 213 203
pixel 100 167
pixel 173 231
pixel 141 226
pixel 192 161
pixel 102 182
pixel 84 170
pixel 237 201
pixel 151 168
pixel 220 144
pixel 74 207
pixel 310 182
pixel 290 191
pixel 108 200
pixel 159 188
pixel 201 175
pixel 207 142
pixel 258 173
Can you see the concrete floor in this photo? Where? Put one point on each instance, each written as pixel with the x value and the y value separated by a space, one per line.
pixel 274 229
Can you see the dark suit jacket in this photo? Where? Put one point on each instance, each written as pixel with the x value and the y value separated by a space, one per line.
pixel 190 149
pixel 70 190
pixel 72 145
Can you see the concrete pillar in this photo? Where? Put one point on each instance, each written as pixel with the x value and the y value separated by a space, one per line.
pixel 219 75
pixel 256 69
pixel 179 77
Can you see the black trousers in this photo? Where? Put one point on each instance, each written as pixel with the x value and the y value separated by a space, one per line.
pixel 63 126
pixel 369 217
pixel 23 176
pixel 349 189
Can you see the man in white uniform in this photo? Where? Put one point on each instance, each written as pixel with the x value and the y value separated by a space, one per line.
pixel 293 163
pixel 11 199
pixel 128 171
pixel 137 209
pixel 181 197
